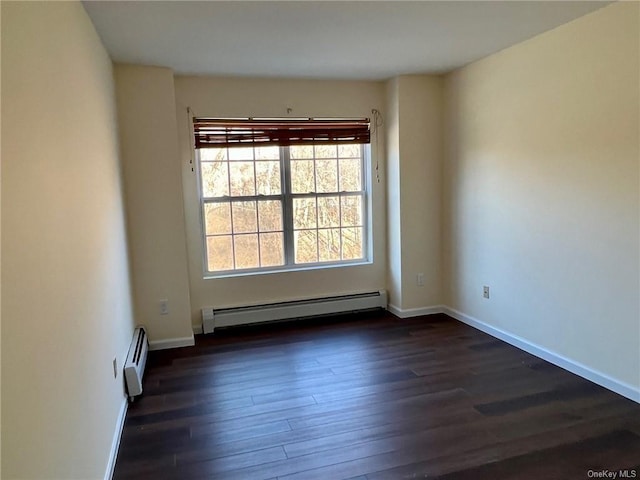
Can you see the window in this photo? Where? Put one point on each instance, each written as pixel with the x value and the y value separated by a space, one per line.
pixel 274 202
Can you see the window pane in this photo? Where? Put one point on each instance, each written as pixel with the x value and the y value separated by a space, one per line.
pixel 328 212
pixel 267 153
pixel 241 153
pixel 350 175
pixel 302 176
pixel 242 179
pixel 305 246
pixel 329 244
pixel 217 218
pixel 211 154
pixel 244 217
pixel 250 234
pixel 301 151
pixel 219 253
pixel 352 247
pixel 271 249
pixel 215 179
pixel 268 178
pixel 351 211
pixel 304 213
pixel 270 215
pixel 349 151
pixel 246 250
pixel 326 151
pixel 327 174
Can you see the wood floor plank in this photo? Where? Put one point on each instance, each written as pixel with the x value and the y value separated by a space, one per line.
pixel 413 423
pixel 207 447
pixel 369 397
pixel 567 461
pixel 401 450
pixel 527 401
pixel 494 452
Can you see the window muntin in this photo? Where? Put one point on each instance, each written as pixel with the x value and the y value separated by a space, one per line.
pixel 274 208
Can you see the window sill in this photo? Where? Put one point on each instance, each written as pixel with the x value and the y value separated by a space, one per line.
pixel 289 269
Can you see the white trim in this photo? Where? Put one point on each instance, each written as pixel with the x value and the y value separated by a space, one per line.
pixel 172 343
pixel 197 329
pixel 115 443
pixel 287 198
pixel 414 312
pixel 602 379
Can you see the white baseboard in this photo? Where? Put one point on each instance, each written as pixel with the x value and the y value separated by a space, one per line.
pixel 115 444
pixel 414 312
pixel 172 343
pixel 622 388
pixel 197 329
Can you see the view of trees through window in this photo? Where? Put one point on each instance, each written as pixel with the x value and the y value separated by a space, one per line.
pixel 275 206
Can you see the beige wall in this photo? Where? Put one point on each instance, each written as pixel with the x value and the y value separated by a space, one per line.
pixel 240 97
pixel 394 226
pixel 67 310
pixel 155 218
pixel 542 191
pixel 415 153
pixel 421 149
pixel 0 263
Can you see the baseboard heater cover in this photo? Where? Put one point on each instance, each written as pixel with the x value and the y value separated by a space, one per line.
pixel 135 363
pixel 227 317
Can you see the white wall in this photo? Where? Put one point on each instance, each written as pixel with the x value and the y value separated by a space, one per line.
pixel 542 191
pixel 415 153
pixel 242 97
pixel 65 283
pixel 155 218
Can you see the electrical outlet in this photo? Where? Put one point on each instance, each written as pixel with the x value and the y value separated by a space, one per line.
pixel 420 279
pixel 115 367
pixel 164 307
pixel 485 291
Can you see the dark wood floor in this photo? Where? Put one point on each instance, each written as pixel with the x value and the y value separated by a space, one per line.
pixel 369 398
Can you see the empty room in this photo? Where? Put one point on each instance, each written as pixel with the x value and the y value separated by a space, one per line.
pixel 332 240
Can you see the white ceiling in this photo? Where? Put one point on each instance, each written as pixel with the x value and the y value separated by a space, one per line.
pixel 321 39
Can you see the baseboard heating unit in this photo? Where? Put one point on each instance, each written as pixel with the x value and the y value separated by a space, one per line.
pixel 135 363
pixel 227 317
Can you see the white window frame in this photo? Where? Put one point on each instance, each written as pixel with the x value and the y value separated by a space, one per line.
pixel 287 218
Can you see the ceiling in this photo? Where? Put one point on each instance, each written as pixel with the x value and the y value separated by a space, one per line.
pixel 321 39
